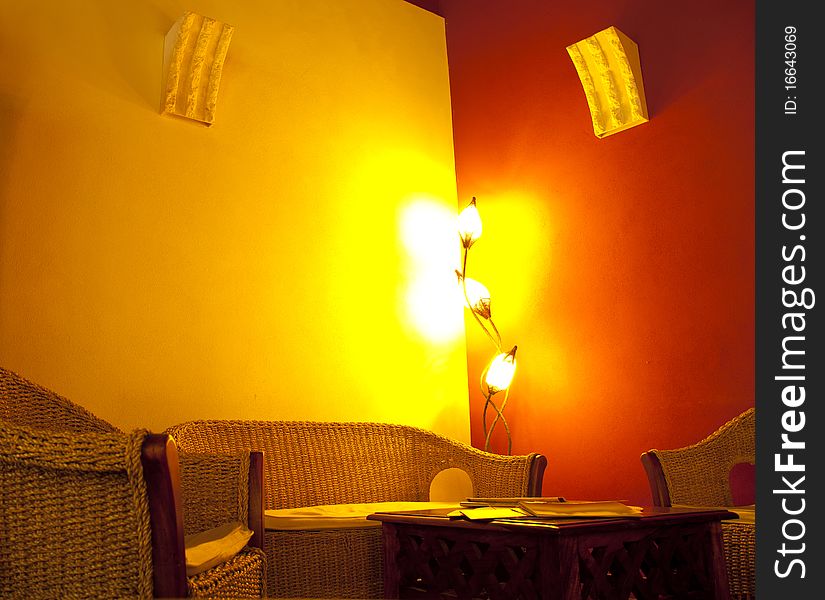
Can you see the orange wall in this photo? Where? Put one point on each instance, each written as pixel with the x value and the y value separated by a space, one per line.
pixel 268 267
pixel 622 267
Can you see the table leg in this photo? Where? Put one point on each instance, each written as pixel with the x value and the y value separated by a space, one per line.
pixel 562 561
pixel 392 575
pixel 718 568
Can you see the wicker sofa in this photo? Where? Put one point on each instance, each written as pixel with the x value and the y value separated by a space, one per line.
pixel 87 511
pixel 308 464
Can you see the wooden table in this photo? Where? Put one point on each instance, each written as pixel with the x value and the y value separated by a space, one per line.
pixel 665 554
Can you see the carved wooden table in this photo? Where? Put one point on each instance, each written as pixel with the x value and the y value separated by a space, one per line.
pixel 665 554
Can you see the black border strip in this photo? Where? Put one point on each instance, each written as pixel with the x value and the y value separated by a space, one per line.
pixel 789 112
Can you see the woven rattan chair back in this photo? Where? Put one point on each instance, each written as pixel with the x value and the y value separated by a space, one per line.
pixel 331 463
pixel 74 513
pixel 87 511
pixel 700 474
pixel 28 404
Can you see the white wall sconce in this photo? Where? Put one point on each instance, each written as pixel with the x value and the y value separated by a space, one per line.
pixel 193 57
pixel 611 75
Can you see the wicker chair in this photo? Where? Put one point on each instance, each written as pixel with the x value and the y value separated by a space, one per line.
pixel 699 475
pixel 25 403
pixel 98 515
pixel 88 511
pixel 337 463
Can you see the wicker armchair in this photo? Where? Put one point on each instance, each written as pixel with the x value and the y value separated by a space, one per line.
pixel 88 511
pixel 310 464
pixel 98 515
pixel 699 475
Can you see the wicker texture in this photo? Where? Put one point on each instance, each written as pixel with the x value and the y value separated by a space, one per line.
pixel 699 474
pixel 336 463
pixel 242 576
pixel 74 518
pixel 74 515
pixel 739 541
pixel 329 563
pixel 28 404
pixel 214 490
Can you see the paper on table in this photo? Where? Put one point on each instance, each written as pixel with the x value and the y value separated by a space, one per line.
pixel 493 512
pixel 609 508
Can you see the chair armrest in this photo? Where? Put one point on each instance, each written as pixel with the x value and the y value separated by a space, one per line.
pixel 493 475
pixel 218 488
pixel 537 468
pixel 655 478
pixel 504 476
pixel 256 499
pixel 159 458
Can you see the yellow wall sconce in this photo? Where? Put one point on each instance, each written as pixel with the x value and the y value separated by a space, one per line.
pixel 499 373
pixel 193 57
pixel 611 75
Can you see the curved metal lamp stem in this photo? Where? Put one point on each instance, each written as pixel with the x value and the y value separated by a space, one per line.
pixel 489 328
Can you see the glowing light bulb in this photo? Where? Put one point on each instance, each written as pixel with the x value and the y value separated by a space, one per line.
pixel 477 297
pixel 469 224
pixel 500 372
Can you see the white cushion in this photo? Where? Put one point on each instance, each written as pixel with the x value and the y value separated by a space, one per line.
pixel 339 516
pixel 747 513
pixel 215 546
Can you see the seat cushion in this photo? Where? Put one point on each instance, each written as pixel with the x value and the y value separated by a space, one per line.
pixel 339 516
pixel 747 513
pixel 214 546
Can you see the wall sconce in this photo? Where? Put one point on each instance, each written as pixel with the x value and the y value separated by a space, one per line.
pixel 193 57
pixel 611 75
pixel 499 373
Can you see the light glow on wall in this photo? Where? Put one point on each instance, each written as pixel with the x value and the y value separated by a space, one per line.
pixel 505 257
pixel 250 271
pixel 432 303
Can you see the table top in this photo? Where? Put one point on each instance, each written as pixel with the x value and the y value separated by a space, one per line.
pixel 651 516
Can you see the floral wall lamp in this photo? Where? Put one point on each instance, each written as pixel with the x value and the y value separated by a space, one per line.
pixel 611 75
pixel 499 373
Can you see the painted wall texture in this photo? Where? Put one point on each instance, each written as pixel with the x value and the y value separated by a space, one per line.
pixel 622 267
pixel 283 264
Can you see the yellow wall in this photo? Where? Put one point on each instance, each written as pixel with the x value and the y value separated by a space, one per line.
pixel 156 270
